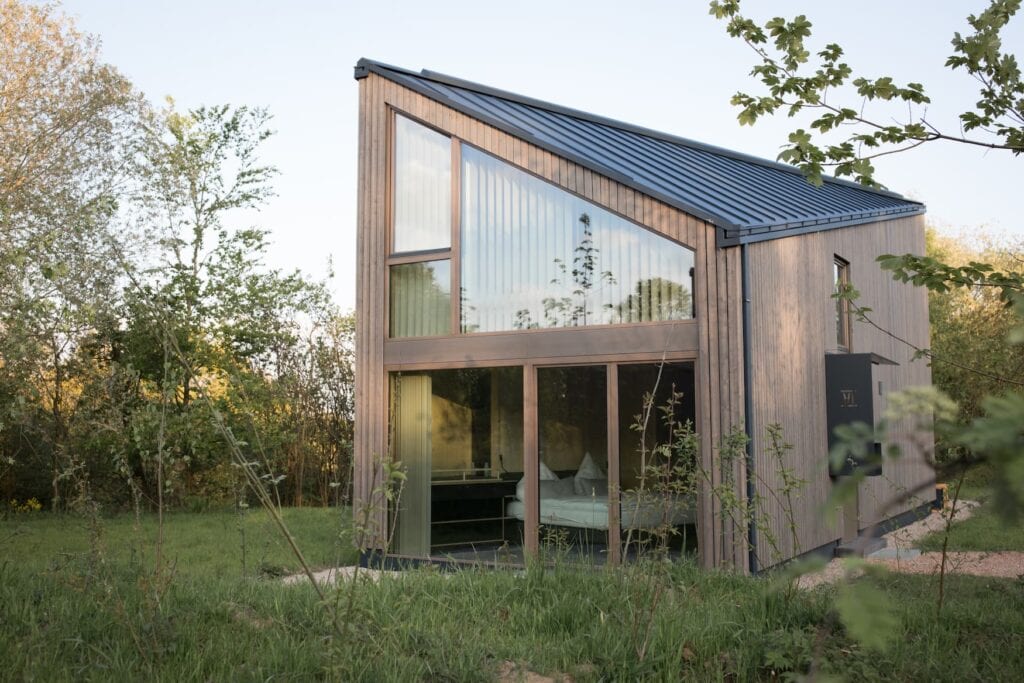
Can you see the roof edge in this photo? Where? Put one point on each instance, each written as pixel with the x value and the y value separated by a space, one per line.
pixel 746 236
pixel 364 66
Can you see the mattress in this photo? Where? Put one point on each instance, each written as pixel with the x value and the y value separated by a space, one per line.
pixel 587 512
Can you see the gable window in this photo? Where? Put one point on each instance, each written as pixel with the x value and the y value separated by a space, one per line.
pixel 423 188
pixel 840 280
pixel 535 256
pixel 420 277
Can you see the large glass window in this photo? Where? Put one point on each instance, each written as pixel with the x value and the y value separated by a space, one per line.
pixel 421 303
pixel 572 438
pixel 534 256
pixel 658 460
pixel 459 436
pixel 423 188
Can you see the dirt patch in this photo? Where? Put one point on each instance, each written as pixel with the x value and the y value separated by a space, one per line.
pixel 244 614
pixel 510 672
pixel 338 574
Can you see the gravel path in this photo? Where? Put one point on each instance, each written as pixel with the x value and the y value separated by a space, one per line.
pixel 1003 564
pixel 900 555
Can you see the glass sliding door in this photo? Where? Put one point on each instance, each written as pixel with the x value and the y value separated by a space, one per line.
pixel 658 461
pixel 572 438
pixel 459 437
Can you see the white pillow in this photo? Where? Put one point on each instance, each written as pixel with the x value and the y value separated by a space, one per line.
pixel 589 479
pixel 546 475
pixel 558 489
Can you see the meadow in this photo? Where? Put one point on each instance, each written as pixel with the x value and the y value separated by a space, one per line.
pixel 80 600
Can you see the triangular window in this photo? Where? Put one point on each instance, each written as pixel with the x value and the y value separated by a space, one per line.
pixel 535 256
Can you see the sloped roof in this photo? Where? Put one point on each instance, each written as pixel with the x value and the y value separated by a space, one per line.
pixel 747 198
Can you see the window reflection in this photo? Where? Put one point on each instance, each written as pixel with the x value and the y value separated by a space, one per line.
pixel 536 256
pixel 421 299
pixel 423 188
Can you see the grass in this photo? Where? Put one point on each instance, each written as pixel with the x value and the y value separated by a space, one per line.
pixel 984 530
pixel 70 613
pixel 209 544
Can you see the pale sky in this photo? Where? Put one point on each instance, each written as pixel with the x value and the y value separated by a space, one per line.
pixel 665 65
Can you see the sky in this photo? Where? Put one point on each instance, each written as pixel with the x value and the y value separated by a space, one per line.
pixel 665 65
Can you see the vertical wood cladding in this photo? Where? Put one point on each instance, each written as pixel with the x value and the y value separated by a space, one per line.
pixel 793 328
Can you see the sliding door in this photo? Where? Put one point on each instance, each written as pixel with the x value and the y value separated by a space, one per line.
pixel 659 470
pixel 594 463
pixel 572 470
pixel 458 434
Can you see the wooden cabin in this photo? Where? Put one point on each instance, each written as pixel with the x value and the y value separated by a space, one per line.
pixel 546 298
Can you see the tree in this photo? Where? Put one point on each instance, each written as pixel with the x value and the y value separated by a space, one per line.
pixel 68 124
pixel 997 122
pixel 797 87
pixel 67 121
pixel 973 324
pixel 226 317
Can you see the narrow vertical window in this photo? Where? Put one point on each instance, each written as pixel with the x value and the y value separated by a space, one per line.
pixel 420 280
pixel 423 186
pixel 421 299
pixel 841 279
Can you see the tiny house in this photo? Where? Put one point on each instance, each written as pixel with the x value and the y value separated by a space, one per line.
pixel 548 300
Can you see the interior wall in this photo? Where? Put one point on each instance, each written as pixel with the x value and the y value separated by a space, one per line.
pixel 451 438
pixel 507 420
pixel 635 381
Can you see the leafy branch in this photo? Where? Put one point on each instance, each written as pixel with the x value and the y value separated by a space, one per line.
pixel 793 84
pixel 848 293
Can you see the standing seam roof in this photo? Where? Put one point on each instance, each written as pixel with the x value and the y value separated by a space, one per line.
pixel 747 198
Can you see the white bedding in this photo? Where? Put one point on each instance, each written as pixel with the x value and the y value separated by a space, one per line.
pixel 589 512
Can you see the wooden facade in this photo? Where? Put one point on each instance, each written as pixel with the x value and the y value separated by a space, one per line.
pixel 794 326
pixel 791 307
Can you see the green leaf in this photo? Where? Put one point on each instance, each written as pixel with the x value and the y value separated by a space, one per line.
pixel 867 614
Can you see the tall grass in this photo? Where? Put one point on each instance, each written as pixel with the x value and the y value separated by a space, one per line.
pixel 59 619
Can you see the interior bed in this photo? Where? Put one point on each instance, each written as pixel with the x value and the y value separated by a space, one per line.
pixel 591 512
pixel 580 500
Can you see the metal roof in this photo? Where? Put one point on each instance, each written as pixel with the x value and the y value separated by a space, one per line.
pixel 749 199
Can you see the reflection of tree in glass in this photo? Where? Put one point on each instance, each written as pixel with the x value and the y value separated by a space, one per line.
pixel 523 321
pixel 656 299
pixel 465 311
pixel 575 309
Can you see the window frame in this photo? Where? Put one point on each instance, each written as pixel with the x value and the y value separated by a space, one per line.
pixel 844 323
pixel 449 253
pixel 453 252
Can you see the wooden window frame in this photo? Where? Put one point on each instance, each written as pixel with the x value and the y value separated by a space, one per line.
pixel 449 253
pixel 453 253
pixel 531 421
pixel 844 328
